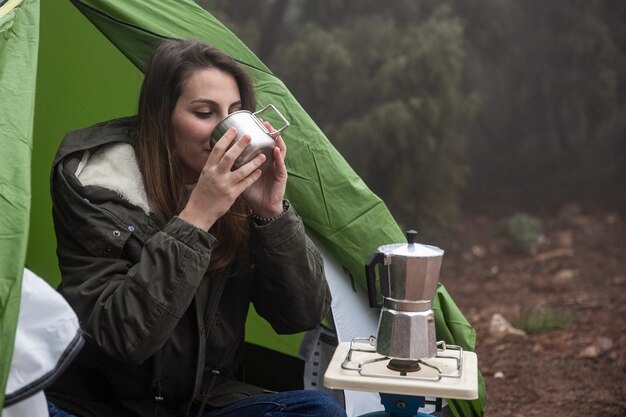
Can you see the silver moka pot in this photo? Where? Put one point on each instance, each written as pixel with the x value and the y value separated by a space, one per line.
pixel 408 283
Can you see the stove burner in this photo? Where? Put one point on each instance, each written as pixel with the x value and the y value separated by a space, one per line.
pixel 404 365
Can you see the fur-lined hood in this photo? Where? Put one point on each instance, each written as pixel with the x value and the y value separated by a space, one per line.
pixel 107 159
pixel 115 167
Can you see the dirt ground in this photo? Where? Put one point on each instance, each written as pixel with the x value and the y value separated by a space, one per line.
pixel 573 283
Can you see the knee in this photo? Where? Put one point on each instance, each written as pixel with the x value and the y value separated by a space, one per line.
pixel 325 405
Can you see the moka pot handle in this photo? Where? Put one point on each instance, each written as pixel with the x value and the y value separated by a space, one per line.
pixel 370 276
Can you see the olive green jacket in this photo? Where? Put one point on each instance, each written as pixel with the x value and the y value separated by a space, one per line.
pixel 140 290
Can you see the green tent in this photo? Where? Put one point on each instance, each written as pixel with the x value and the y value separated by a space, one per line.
pixel 86 75
pixel 19 40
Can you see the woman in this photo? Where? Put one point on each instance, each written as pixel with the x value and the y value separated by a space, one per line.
pixel 163 245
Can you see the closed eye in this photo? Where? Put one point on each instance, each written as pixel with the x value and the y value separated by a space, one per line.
pixel 203 115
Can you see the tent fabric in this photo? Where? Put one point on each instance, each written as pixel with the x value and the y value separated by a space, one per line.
pixel 47 339
pixel 19 42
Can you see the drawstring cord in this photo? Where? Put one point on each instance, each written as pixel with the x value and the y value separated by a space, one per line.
pixel 158 389
pixel 158 397
pixel 207 395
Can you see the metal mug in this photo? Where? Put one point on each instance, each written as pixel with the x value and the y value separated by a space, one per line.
pixel 247 123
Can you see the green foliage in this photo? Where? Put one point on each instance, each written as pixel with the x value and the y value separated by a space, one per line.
pixel 388 97
pixel 523 230
pixel 318 67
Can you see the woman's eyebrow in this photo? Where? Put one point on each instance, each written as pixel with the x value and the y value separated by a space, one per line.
pixel 213 103
pixel 204 100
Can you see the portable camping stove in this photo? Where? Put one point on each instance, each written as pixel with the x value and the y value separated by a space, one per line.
pixel 404 362
pixel 403 384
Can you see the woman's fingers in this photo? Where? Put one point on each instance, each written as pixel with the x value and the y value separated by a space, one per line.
pixel 221 146
pixel 236 150
pixel 249 180
pixel 241 178
pixel 249 167
pixel 227 149
pixel 280 143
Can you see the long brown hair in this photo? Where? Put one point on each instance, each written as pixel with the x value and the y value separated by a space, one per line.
pixel 169 67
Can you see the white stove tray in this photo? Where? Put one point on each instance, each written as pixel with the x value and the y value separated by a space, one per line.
pixel 465 387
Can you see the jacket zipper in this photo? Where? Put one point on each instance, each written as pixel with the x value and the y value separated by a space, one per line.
pixel 204 332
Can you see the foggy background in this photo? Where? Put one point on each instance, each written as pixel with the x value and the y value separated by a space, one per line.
pixel 452 106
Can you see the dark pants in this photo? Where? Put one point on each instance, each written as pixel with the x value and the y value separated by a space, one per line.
pixel 55 411
pixel 282 404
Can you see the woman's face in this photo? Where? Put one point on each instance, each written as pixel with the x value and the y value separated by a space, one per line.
pixel 208 96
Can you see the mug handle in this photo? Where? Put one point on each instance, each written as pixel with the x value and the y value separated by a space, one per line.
pixel 277 132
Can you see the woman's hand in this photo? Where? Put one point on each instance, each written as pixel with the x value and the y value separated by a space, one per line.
pixel 218 185
pixel 265 196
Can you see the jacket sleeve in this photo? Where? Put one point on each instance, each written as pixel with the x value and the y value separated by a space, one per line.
pixel 290 289
pixel 127 304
